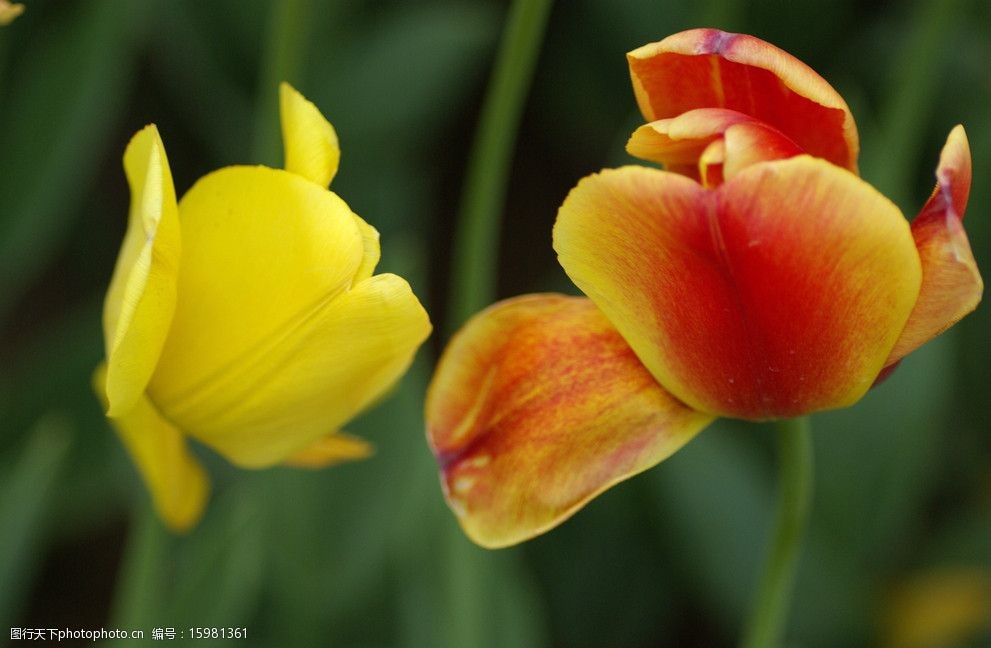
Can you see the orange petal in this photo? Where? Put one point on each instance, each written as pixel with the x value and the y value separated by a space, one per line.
pixel 708 68
pixel 708 137
pixel 951 283
pixel 777 294
pixel 537 406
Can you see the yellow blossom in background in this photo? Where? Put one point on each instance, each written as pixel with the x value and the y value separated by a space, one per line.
pixel 9 11
pixel 946 606
pixel 248 316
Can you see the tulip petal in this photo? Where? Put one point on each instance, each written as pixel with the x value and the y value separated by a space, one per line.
pixel 754 142
pixel 946 605
pixel 951 283
pixel 371 250
pixel 711 164
pixel 141 299
pixel 309 141
pixel 709 137
pixel 310 377
pixel 680 140
pixel 329 450
pixel 262 248
pixel 779 293
pixel 708 68
pixel 537 406
pixel 9 11
pixel 178 484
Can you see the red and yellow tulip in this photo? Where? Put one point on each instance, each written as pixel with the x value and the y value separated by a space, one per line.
pixel 247 316
pixel 757 277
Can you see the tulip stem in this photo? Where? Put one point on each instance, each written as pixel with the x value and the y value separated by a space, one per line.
pixel 476 242
pixel 770 612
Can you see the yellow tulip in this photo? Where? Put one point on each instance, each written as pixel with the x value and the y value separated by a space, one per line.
pixel 247 316
pixel 9 11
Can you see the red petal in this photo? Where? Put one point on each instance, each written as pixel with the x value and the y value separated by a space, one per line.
pixel 708 68
pixel 778 294
pixel 709 137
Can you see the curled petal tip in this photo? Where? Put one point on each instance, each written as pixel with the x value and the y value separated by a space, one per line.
pixel 309 141
pixel 953 174
pixel 952 285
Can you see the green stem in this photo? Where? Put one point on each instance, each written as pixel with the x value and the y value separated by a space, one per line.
pixel 476 242
pixel 289 27
pixel 767 620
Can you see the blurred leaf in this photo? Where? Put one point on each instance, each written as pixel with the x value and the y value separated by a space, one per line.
pixel 404 76
pixel 52 369
pixel 915 77
pixel 603 578
pixel 220 566
pixel 878 459
pixel 26 494
pixel 187 67
pixel 144 574
pixel 63 99
pixel 877 465
pixel 53 366
pixel 964 539
pixel 714 504
pixel 211 578
pixel 289 27
pixel 833 600
pixel 489 600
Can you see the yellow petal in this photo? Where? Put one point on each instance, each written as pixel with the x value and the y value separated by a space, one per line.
pixel 371 250
pixel 537 406
pixel 178 485
pixel 309 377
pixel 951 283
pixel 9 11
pixel 948 606
pixel 309 141
pixel 329 450
pixel 778 294
pixel 262 249
pixel 142 296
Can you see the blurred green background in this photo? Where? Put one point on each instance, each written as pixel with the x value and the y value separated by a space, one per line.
pixel 367 554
